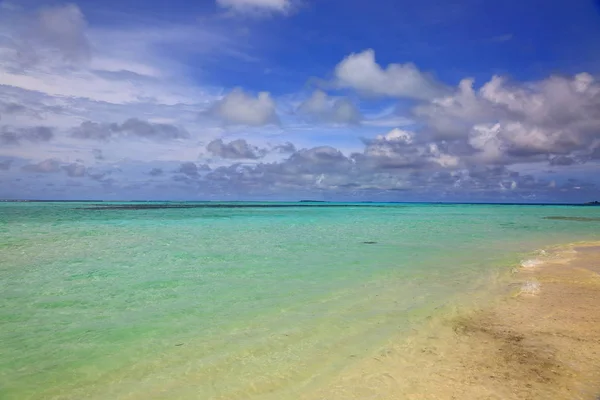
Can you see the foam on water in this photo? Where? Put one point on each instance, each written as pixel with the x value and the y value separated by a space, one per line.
pixel 531 263
pixel 530 288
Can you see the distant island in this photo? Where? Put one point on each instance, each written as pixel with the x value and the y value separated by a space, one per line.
pixel 592 203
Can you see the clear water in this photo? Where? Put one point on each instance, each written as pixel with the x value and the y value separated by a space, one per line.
pixel 261 303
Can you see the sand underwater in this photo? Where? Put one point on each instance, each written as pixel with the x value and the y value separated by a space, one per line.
pixel 297 301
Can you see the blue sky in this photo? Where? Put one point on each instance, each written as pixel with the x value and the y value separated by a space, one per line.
pixel 283 99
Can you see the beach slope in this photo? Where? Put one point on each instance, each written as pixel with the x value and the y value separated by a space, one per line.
pixel 540 342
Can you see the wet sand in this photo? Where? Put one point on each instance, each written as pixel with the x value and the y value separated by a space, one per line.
pixel 541 340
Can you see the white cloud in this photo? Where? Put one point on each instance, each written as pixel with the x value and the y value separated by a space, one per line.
pixel 361 72
pixel 54 51
pixel 532 121
pixel 239 108
pixel 397 135
pixel 89 85
pixel 555 100
pixel 453 115
pixel 245 6
pixel 399 149
pixel 326 109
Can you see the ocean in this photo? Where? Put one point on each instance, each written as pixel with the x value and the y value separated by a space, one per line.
pixel 241 300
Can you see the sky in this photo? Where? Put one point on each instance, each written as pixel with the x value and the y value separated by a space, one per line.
pixel 349 100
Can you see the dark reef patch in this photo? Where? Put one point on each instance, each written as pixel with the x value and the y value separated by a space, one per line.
pixel 579 219
pixel 166 206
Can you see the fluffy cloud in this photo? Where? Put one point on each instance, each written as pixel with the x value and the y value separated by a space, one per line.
pixel 505 124
pixel 325 170
pixel 322 108
pixel 239 108
pixel 398 149
pixel 132 127
pixel 237 149
pixel 361 72
pixel 254 6
pixel 305 169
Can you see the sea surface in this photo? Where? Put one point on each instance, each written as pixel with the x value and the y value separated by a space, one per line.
pixel 240 300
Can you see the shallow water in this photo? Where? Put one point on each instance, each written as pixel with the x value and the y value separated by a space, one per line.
pixel 252 302
pixel 539 342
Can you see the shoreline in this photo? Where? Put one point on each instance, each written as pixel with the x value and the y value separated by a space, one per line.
pixel 540 341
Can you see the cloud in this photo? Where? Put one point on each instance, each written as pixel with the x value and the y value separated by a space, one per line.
pixel 562 161
pixel 399 149
pixel 156 172
pixel 361 72
pixel 148 130
pixel 453 115
pixel 239 108
pixel 95 131
pixel 237 149
pixel 504 123
pixel 326 169
pixel 16 136
pixel 189 169
pixel 50 165
pixel 192 170
pixel 302 170
pixel 321 107
pixel 132 127
pixel 398 160
pixel 12 108
pixel 63 28
pixel 257 6
pixel 75 170
pixel 316 159
pixel 52 35
pixel 52 50
pixel 286 147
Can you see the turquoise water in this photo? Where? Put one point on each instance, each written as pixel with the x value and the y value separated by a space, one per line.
pixel 224 303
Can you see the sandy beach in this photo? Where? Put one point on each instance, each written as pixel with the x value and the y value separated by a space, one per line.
pixel 539 341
